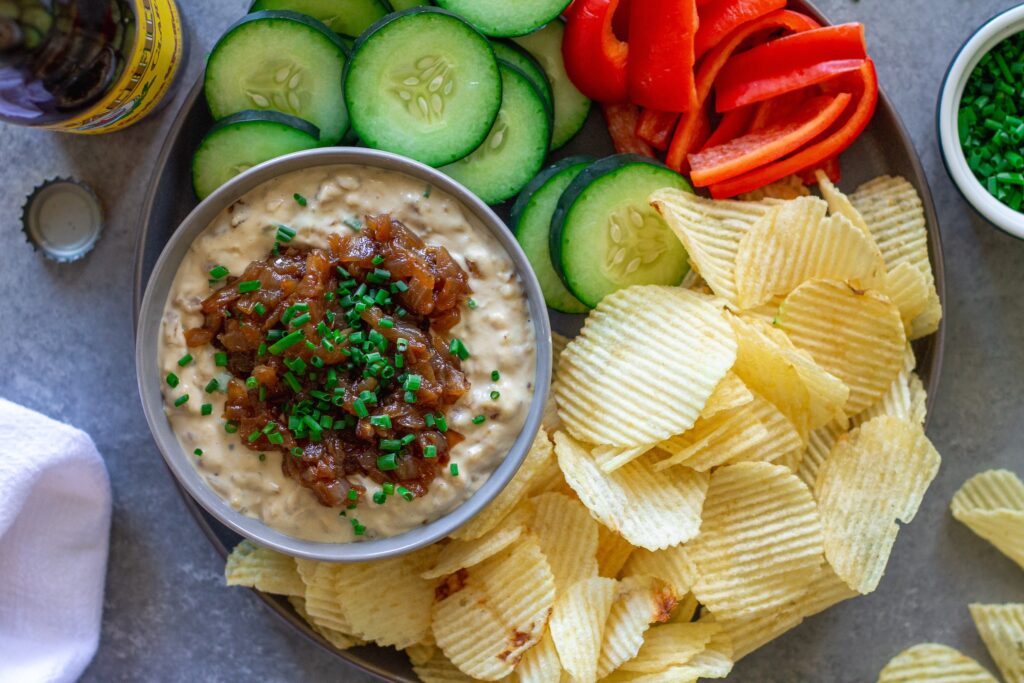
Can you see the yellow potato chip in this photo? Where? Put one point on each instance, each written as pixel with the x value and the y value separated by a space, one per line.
pixel 856 336
pixel 540 664
pixel 650 510
pixel 991 504
pixel 640 602
pixel 337 639
pixel 798 243
pixel 757 431
pixel 558 344
pixel 933 663
pixel 568 538
pixel 840 204
pixel 611 458
pixel 550 421
pixel 714 661
pixel 730 393
pixel 463 554
pixel 322 601
pixel 613 551
pixel 439 669
pixel 760 544
pixel 918 400
pixel 578 622
pixel 388 601
pixel 537 461
pixel 897 401
pixel 874 476
pixel 625 380
pixel 263 569
pixel 422 652
pixel 1002 629
pixel 669 645
pixel 819 445
pixel 487 616
pixel 685 611
pixel 907 287
pixel 789 187
pixel 893 212
pixel 927 322
pixel 711 231
pixel 674 566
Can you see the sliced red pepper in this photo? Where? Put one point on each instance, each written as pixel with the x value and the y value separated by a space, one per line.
pixel 719 18
pixel 621 120
pixel 829 144
pixel 661 58
pixel 753 150
pixel 655 127
pixel 595 58
pixel 733 124
pixel 831 168
pixel 789 63
pixel 778 109
pixel 685 140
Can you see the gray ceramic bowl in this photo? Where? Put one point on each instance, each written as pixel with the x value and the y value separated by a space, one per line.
pixel 148 331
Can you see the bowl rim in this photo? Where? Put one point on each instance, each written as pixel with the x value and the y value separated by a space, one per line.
pixel 981 41
pixel 149 325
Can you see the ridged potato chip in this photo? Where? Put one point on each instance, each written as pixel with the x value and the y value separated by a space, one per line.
pixel 933 663
pixel 578 623
pixel 854 335
pixel 540 664
pixel 760 544
pixel 439 669
pixel 819 445
pixel 714 661
pixel 789 187
pixel 611 458
pixel 674 566
pixel 928 322
pixel 651 510
pixel 685 611
pixel 337 639
pixel 643 366
pixel 991 504
pixel 464 554
pixel 730 393
pixel 568 538
pixel 907 287
pixel 613 551
pixel 422 652
pixel 487 616
pixel 550 421
pixel 840 204
pixel 669 645
pixel 1002 629
pixel 918 400
pixel 898 402
pixel 640 602
pixel 798 243
pixel 710 231
pixel 537 461
pixel 388 601
pixel 323 603
pixel 874 476
pixel 263 569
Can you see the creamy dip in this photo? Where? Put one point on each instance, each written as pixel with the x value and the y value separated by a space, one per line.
pixel 496 328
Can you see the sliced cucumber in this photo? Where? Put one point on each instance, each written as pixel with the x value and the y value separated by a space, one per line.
pixel 347 17
pixel 425 84
pixel 243 140
pixel 399 5
pixel 506 17
pixel 515 148
pixel 524 61
pixel 280 61
pixel 571 106
pixel 604 234
pixel 531 216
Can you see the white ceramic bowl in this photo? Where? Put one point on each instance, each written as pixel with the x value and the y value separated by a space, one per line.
pixel 993 32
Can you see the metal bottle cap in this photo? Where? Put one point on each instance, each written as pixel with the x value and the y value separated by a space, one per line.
pixel 63 219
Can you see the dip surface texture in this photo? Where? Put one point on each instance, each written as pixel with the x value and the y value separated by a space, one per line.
pixel 496 329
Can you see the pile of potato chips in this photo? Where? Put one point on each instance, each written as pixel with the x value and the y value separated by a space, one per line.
pixel 724 459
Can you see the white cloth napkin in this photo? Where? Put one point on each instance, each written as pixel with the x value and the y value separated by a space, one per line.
pixel 54 534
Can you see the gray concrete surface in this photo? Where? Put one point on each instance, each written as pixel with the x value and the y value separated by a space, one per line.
pixel 67 351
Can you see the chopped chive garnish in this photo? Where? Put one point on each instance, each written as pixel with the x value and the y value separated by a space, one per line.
pixel 206 409
pixel 218 273
pixel 495 375
pixel 454 469
pixel 429 420
pixel 390 445
pixel 377 260
pixel 410 397
pixel 387 323
pixel 381 421
pixel 357 528
pixel 293 382
pixel 212 386
pixel 360 408
pixel 286 342
pixel 182 400
pixel 251 383
pixel 387 463
pixel 230 427
pixel 220 359
pixel 259 309
pixel 389 488
pixel 427 191
pixel 380 498
pixel 300 320
pixel 172 380
pixel 299 199
pixel 458 349
pixel 263 456
pixel 275 438
pixel 442 424
pixel 479 419
pixel 296 451
pixel 198 452
pixel 398 287
pixel 412 383
pixel 255 434
pixel 430 451
pixel 472 303
pixel 353 494
pixel 261 351
pixel 405 493
pixel 249 286
pixel 495 395
pixel 185 360
pixel 284 233
pixel 353 223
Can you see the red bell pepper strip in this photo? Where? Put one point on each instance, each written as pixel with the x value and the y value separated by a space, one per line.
pixel 621 120
pixel 595 58
pixel 779 109
pixel 655 127
pixel 829 144
pixel 733 124
pixel 831 168
pixel 661 58
pixel 753 150
pixel 685 140
pixel 788 64
pixel 721 17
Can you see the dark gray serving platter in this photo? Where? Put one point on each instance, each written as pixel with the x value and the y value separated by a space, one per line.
pixel 885 148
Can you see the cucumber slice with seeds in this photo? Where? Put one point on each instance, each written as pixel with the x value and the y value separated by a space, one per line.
pixel 531 216
pixel 425 84
pixel 521 59
pixel 243 140
pixel 605 235
pixel 506 17
pixel 515 148
pixel 280 61
pixel 571 106
pixel 346 17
